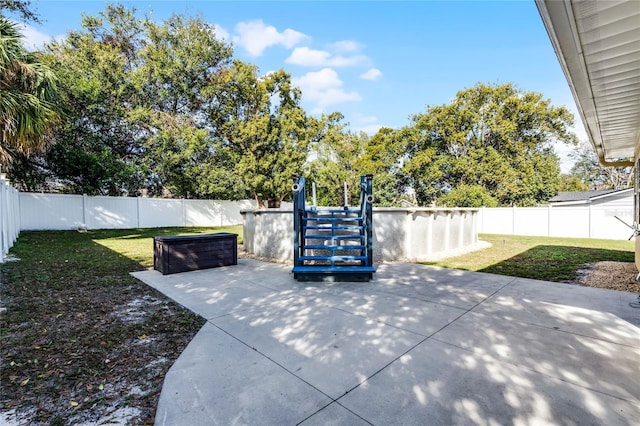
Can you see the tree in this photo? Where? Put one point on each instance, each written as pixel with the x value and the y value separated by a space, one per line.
pixel 183 75
pixel 335 161
pixel 22 8
pixel 570 183
pixel 588 169
pixel 383 158
pixel 493 136
pixel 28 95
pixel 97 147
pixel 266 130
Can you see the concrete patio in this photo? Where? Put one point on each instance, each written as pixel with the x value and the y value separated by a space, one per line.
pixel 417 345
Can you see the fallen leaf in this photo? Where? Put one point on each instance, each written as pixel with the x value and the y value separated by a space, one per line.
pixel 24 382
pixel 73 404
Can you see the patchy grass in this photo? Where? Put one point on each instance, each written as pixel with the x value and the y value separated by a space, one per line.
pixel 550 259
pixel 81 341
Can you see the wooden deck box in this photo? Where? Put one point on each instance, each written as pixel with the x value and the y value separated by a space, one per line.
pixel 172 254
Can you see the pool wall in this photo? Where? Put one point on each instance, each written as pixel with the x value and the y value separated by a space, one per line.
pixel 414 234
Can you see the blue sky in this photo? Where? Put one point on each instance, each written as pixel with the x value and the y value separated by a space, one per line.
pixel 377 62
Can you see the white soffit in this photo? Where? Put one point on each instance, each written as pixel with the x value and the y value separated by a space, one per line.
pixel 598 46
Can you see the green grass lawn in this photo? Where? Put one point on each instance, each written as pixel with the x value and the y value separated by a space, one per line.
pixel 543 258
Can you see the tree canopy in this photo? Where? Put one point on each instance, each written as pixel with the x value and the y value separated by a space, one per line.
pixel 164 109
pixel 495 137
pixel 588 170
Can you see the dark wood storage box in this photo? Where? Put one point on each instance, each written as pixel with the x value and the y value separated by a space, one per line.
pixel 193 252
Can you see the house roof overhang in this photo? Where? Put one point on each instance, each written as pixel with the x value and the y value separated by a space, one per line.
pixel 598 46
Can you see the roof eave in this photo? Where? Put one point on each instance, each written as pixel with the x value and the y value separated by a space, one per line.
pixel 560 24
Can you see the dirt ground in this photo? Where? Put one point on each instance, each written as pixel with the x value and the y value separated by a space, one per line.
pixel 610 275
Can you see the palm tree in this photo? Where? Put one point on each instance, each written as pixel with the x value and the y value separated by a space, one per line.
pixel 28 94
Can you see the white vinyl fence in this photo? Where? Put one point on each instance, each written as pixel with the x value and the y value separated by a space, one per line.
pixel 587 221
pixel 35 211
pixel 61 211
pixel 9 216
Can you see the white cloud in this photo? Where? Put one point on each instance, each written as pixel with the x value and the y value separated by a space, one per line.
pixel 221 32
pixel 372 74
pixel 34 39
pixel 346 46
pixel 308 57
pixel 324 88
pixel 255 37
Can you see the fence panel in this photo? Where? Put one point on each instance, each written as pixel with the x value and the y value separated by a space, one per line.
pixel 571 222
pixel 215 212
pixel 111 212
pixel 531 221
pixel 605 225
pixel 160 212
pixel 51 211
pixel 498 220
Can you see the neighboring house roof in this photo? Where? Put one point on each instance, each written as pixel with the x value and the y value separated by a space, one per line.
pixel 586 196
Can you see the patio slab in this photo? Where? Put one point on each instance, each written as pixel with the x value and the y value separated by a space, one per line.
pixel 416 345
pixel 218 380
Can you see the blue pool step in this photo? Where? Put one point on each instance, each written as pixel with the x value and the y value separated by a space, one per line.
pixel 333 244
pixel 334 247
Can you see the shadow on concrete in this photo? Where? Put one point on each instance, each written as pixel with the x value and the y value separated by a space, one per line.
pixel 417 345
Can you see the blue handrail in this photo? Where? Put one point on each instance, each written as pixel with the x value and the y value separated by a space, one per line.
pixel 298 215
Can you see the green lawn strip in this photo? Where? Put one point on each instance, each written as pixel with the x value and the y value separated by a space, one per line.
pixel 543 258
pixel 66 340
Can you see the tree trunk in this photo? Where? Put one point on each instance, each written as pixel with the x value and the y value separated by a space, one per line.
pixel 273 203
pixel 259 201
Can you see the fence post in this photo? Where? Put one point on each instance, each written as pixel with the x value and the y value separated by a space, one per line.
pixel 138 211
pixel 549 221
pixel 431 218
pixel 184 213
pixel 474 217
pixel 589 219
pixel 447 230
pixel 5 217
pixel 513 220
pixel 18 213
pixel 3 208
pixel 84 211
